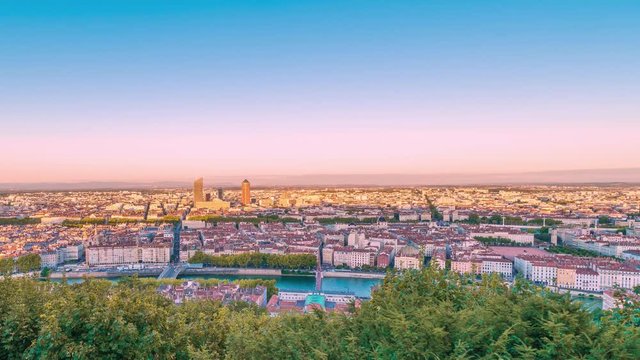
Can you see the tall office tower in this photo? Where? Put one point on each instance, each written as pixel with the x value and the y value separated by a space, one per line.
pixel 198 191
pixel 246 192
pixel 220 193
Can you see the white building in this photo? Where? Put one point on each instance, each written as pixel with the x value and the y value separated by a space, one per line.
pixel 587 279
pixel 503 267
pixel 536 269
pixel 408 262
pixel 353 258
pixel 612 275
pixel 50 259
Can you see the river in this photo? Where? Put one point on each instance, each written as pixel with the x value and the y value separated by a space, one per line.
pixel 360 287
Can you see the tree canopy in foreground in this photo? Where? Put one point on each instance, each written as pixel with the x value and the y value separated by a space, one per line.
pixel 415 315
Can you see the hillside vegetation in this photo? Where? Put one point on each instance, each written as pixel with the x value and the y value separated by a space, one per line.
pixel 416 315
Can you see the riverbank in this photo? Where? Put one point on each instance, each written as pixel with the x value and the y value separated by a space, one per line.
pixel 154 272
pixel 233 271
pixel 352 275
pixel 79 275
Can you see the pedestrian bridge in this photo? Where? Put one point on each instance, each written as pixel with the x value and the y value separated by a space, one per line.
pixel 172 271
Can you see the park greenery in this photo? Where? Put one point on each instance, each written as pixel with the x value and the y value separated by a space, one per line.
pixel 435 214
pixel 215 219
pixel 476 219
pixel 561 249
pixel 346 220
pixel 256 260
pixel 117 221
pixel 425 314
pixel 498 241
pixel 605 221
pixel 23 264
pixel 542 234
pixel 19 221
pixel 363 268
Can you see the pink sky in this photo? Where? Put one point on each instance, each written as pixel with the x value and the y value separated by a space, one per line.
pixel 158 155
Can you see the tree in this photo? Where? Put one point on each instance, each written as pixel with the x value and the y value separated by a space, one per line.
pixel 474 219
pixel 17 221
pixel 416 314
pixel 604 220
pixel 256 260
pixel 7 266
pixel 27 263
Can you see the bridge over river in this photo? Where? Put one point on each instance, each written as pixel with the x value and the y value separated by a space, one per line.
pixel 172 271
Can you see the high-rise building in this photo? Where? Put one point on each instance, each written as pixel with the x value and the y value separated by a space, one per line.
pixel 210 202
pixel 220 193
pixel 246 193
pixel 198 191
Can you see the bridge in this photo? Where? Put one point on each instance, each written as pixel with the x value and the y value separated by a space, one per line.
pixel 172 271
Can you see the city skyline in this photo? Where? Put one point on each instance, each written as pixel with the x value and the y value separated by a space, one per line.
pixel 113 92
pixel 217 183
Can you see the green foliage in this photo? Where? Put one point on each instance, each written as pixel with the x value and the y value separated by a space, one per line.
pixel 560 249
pixel 7 266
pixel 547 222
pixel 498 241
pixel 435 214
pixel 605 220
pixel 117 221
pixel 510 220
pixel 365 268
pixel 425 314
pixel 213 219
pixel 347 220
pixel 16 221
pixel 27 263
pixel 542 234
pixel 257 260
pixel 473 219
pixel 542 237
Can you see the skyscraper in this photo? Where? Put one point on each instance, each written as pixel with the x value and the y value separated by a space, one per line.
pixel 246 192
pixel 220 193
pixel 198 191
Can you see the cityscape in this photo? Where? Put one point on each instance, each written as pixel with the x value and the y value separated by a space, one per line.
pixel 319 180
pixel 583 240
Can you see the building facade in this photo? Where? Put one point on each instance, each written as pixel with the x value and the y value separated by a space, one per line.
pixel 246 193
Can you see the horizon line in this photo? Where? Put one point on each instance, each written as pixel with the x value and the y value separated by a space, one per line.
pixel 629 176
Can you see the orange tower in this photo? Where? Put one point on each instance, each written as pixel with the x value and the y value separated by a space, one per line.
pixel 246 192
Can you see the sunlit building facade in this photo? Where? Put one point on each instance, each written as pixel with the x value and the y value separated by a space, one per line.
pixel 246 193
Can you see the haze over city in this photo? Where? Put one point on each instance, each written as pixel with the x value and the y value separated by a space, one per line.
pixel 126 91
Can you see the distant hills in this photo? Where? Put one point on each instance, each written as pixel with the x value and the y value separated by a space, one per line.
pixel 592 176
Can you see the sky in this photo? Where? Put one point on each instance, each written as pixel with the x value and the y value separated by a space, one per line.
pixel 152 90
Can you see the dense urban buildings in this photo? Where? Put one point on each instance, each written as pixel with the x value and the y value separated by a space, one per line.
pixel 223 292
pixel 581 238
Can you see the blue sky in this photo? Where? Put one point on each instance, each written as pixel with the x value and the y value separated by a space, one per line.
pixel 316 86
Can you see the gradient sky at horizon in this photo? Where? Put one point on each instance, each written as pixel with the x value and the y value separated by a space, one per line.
pixel 147 90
